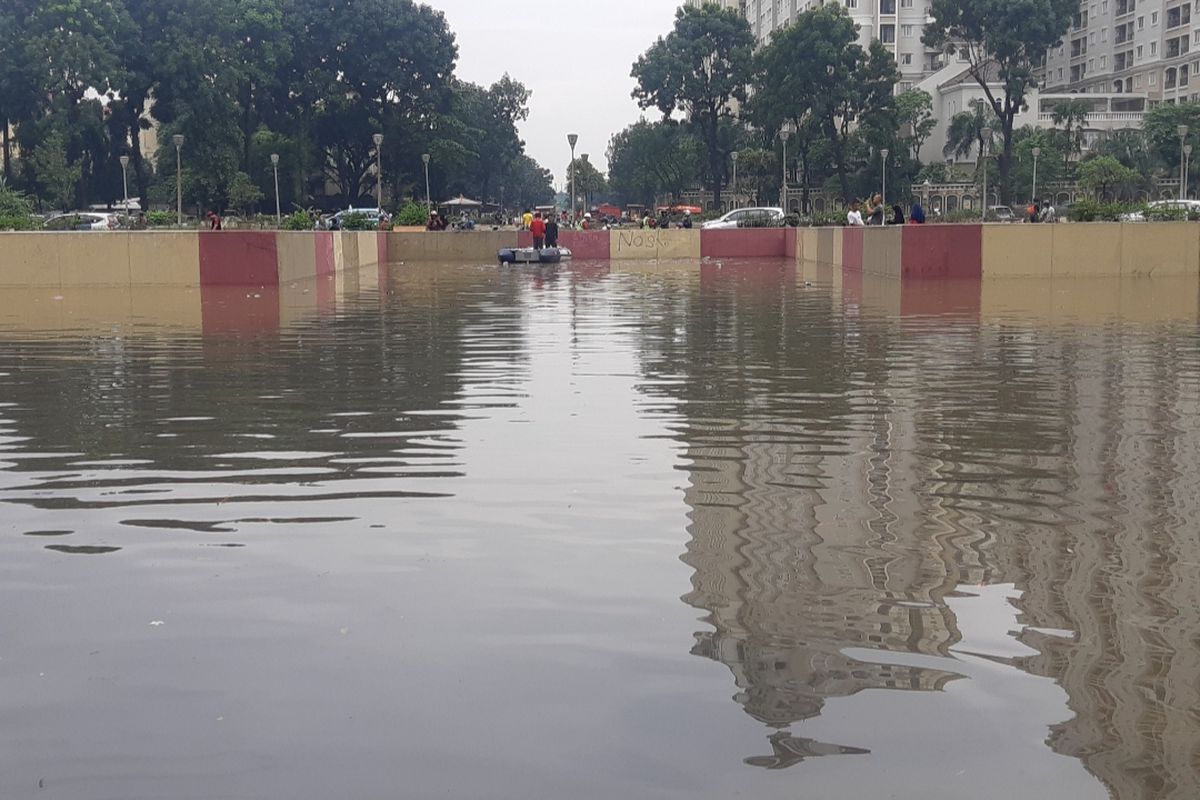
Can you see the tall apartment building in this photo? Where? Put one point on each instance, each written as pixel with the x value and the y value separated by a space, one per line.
pixel 897 23
pixel 1148 47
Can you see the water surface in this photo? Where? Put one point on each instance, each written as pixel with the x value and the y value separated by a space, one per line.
pixel 697 530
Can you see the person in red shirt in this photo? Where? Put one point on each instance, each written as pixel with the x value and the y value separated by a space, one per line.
pixel 538 229
pixel 214 221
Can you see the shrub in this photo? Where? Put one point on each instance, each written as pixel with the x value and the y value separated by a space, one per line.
pixel 968 215
pixel 1165 214
pixel 1095 211
pixel 299 221
pixel 19 222
pixel 412 214
pixel 823 219
pixel 13 203
pixel 160 219
pixel 357 222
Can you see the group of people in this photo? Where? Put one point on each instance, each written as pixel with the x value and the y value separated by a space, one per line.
pixel 545 231
pixel 876 213
pixel 665 220
pixel 1043 213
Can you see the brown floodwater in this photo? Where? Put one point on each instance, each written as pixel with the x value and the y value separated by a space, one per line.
pixel 702 530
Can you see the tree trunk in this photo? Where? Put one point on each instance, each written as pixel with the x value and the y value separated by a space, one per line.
pixel 247 134
pixel 7 152
pixel 1006 157
pixel 715 163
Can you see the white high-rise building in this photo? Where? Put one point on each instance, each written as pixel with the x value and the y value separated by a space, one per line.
pixel 897 23
pixel 1141 47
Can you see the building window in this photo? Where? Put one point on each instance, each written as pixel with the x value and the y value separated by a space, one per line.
pixel 1154 18
pixel 906 31
pixel 906 59
pixel 887 34
pixel 1137 81
pixel 1141 23
pixel 1139 52
pixel 1154 48
pixel 906 3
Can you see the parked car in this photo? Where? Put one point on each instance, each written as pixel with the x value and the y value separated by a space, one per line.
pixel 747 218
pixel 1001 214
pixel 1187 207
pixel 372 215
pixel 83 221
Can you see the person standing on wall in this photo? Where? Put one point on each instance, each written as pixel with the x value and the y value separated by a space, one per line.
pixel 1048 212
pixel 687 220
pixel 527 220
pixel 854 216
pixel 551 231
pixel 214 221
pixel 538 228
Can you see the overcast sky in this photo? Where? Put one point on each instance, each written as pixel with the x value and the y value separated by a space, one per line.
pixel 575 57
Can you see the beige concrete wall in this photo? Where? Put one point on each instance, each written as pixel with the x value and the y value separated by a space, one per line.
pixel 368 248
pixel 166 258
pixel 1161 249
pixel 1018 251
pixel 1086 250
pixel 453 246
pixel 639 245
pixel 297 254
pixel 881 251
pixel 120 258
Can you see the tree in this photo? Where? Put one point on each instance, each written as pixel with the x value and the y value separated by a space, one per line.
pixel 817 67
pixel 1049 163
pixel 699 69
pixel 1003 41
pixel 55 175
pixel 244 196
pixel 914 112
pixel 759 169
pixel 652 158
pixel 526 183
pixel 964 133
pixel 586 179
pixel 1161 127
pixel 1105 176
pixel 1071 115
pixel 367 67
pixel 1131 148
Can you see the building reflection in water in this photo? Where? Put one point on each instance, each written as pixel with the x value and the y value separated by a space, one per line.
pixel 853 474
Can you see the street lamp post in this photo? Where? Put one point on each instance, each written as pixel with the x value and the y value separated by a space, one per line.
pixel 428 196
pixel 986 136
pixel 572 139
pixel 1187 168
pixel 925 195
pixel 883 157
pixel 1037 151
pixel 177 140
pixel 125 180
pixel 275 167
pixel 584 197
pixel 734 156
pixel 784 134
pixel 378 139
pixel 1182 130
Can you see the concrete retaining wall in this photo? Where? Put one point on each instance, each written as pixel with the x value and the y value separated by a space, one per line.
pixel 183 258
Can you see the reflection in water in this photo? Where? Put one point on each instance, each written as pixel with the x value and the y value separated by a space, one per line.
pixel 854 475
pixel 942 537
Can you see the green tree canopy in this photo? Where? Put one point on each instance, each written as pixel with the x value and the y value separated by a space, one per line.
pixel 701 68
pixel 1003 42
pixel 652 158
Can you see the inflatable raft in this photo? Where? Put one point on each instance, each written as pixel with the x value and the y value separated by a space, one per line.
pixel 527 255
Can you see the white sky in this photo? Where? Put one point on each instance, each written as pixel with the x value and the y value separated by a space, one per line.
pixel 575 57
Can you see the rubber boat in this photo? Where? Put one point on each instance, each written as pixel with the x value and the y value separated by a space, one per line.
pixel 527 255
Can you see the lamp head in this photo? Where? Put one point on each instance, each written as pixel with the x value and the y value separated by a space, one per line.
pixel 425 158
pixel 377 139
pixel 884 153
pixel 178 140
pixel 1187 149
pixel 124 161
pixel 1182 130
pixel 785 134
pixel 572 139
pixel 734 156
pixel 1037 151
pixel 275 159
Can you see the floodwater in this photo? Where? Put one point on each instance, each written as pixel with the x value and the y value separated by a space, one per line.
pixel 665 531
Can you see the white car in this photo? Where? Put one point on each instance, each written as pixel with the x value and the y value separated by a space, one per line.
pixel 1188 207
pixel 746 218
pixel 82 221
pixel 372 215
